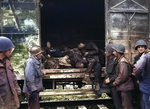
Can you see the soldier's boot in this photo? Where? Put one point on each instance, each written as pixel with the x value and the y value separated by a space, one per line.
pixel 87 80
pixel 97 89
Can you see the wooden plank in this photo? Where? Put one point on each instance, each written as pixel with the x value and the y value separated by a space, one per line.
pixel 102 106
pixel 82 107
pixel 66 76
pixel 60 107
pixel 72 70
pixel 66 92
pixel 60 76
pixel 63 74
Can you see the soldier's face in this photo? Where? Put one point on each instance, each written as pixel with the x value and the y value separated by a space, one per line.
pixel 8 53
pixel 141 49
pixel 107 53
pixel 115 53
pixel 39 56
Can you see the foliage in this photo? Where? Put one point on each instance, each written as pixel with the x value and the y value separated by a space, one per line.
pixel 19 57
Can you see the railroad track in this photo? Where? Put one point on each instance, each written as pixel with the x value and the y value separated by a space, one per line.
pixel 76 104
pixel 78 98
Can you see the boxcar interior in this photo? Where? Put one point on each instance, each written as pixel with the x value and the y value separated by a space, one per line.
pixel 69 22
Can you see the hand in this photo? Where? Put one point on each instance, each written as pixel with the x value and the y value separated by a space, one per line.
pixel 48 56
pixel 133 74
pixel 18 90
pixel 107 80
pixel 43 72
pixel 85 54
pixel 27 95
pixel 114 83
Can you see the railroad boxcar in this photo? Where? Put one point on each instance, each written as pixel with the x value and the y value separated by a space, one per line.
pixel 69 22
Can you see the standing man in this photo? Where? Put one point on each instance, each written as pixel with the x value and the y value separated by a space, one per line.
pixel 111 75
pixel 142 73
pixel 33 78
pixel 91 52
pixel 123 82
pixel 141 47
pixel 9 88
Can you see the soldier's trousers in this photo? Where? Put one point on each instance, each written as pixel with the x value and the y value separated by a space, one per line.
pixel 116 98
pixel 33 100
pixel 127 100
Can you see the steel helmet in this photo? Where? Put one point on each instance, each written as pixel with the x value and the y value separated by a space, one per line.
pixel 120 48
pixel 140 42
pixel 35 50
pixel 5 43
pixel 109 48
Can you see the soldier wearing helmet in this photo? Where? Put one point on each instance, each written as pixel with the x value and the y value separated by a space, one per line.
pixel 111 75
pixel 123 82
pixel 141 47
pixel 9 87
pixel 33 77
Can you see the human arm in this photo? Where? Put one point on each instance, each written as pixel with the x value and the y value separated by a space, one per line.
pixel 107 80
pixel 1 102
pixel 112 77
pixel 139 66
pixel 123 74
pixel 93 49
pixel 15 82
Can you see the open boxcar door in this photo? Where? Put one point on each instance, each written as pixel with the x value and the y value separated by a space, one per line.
pixel 126 22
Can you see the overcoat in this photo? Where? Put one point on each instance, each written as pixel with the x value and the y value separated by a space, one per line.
pixel 33 76
pixel 9 88
pixel 124 81
pixel 142 69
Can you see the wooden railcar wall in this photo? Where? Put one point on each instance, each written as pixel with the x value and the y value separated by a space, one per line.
pixel 126 22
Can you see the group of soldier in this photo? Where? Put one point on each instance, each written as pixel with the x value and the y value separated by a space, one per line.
pixel 128 82
pixel 122 76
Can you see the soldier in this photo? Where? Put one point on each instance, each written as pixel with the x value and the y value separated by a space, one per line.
pixel 33 78
pixel 141 47
pixel 142 73
pixel 91 52
pixel 9 88
pixel 123 82
pixel 111 75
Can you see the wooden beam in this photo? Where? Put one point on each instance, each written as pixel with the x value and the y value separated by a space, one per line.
pixel 67 92
pixel 82 107
pixel 102 107
pixel 13 10
pixel 72 70
pixel 60 107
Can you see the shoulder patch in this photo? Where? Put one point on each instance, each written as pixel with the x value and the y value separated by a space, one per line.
pixel 122 63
